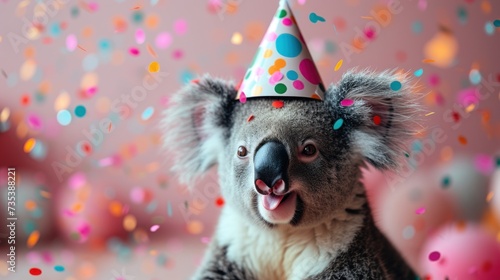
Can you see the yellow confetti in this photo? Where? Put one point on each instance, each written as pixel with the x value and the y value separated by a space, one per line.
pixel 428 114
pixel 62 101
pixel 470 108
pixel 237 38
pixel 129 222
pixel 27 70
pixel 4 115
pixel 366 17
pixel 33 239
pixel 29 145
pixel 154 67
pixel 338 65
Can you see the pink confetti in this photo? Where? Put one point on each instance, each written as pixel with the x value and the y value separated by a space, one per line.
pixel 93 6
pixel 77 180
pixel 346 102
pixel 134 51
pixel 180 27
pixel 434 256
pixel 154 228
pixel 484 164
pixel 205 240
pixel 177 54
pixel 420 211
pixel 243 97
pixel 140 37
pixel 163 40
pixel 34 122
pixel 422 5
pixel 137 195
pixel 71 42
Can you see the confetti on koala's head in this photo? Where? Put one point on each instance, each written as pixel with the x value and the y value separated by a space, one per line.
pixel 283 65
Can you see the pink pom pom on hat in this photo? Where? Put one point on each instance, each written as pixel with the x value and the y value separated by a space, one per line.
pixel 283 66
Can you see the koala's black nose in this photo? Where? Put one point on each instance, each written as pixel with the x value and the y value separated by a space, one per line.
pixel 271 169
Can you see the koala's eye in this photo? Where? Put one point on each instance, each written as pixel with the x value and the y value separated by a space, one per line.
pixel 242 151
pixel 309 150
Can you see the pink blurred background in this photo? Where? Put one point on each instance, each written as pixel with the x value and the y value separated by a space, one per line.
pixel 95 197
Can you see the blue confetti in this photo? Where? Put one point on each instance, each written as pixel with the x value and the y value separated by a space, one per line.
pixel 338 124
pixel 419 72
pixel 489 28
pixel 313 17
pixel 396 85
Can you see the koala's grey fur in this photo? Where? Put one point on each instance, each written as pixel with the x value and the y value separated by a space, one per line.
pixel 332 234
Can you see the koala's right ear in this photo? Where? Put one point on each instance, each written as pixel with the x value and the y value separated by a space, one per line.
pixel 196 125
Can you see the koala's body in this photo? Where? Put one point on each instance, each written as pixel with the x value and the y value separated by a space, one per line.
pixel 295 207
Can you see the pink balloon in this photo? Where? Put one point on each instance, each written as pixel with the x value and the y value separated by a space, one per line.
pixel 456 252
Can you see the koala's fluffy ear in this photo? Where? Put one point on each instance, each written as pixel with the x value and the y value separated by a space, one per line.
pixel 381 119
pixel 196 125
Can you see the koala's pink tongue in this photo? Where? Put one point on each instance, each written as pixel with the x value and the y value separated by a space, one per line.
pixel 271 202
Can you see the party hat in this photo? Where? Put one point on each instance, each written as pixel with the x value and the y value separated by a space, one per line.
pixel 283 66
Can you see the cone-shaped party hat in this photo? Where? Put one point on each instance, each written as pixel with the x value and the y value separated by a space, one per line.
pixel 283 66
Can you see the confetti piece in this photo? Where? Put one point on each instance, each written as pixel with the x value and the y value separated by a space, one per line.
pixel 154 228
pixel 29 145
pixel 163 40
pixel 194 227
pixel 115 208
pixel 489 197
pixel 219 201
pixel 420 211
pixel 71 42
pixel 338 65
pixel 489 28
pixel 169 209
pixel 180 27
pixel 377 120
pixel 496 22
pixel 243 97
pixel 59 268
pixel 154 67
pixel 134 51
pixel 237 38
pixel 346 102
pixel 338 124
pixel 314 18
pixel 278 104
pixel 35 271
pixel 151 51
pixel 446 182
pixel 396 85
pixel 462 140
pixel 80 111
pixel 27 70
pixel 250 118
pixel 129 222
pixel 33 239
pixel 64 117
pixel 474 76
pixel 428 60
pixel 434 256
pixel 408 232
pixel 418 72
pixel 147 113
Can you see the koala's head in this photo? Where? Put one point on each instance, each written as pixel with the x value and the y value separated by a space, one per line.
pixel 297 164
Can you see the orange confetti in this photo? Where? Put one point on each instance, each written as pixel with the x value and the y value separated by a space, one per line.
pixel 129 222
pixel 278 104
pixel 45 194
pixel 250 118
pixel 462 140
pixel 81 48
pixel 33 238
pixel 489 197
pixel 195 227
pixel 115 208
pixel 151 51
pixel 30 205
pixel 427 60
pixel 29 145
pixel 154 67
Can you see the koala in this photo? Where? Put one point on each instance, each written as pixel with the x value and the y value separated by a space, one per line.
pixel 290 175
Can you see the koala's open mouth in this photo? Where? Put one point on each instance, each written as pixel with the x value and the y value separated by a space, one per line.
pixel 277 209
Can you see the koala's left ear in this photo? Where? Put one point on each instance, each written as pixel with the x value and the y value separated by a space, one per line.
pixel 196 125
pixel 382 117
